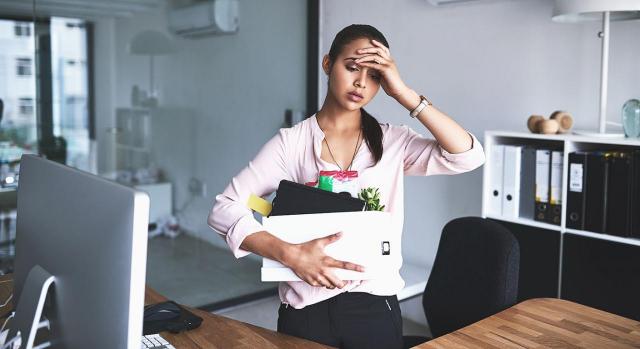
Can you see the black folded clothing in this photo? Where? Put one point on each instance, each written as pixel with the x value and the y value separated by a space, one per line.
pixel 294 198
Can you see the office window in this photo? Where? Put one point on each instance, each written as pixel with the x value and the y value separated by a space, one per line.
pixel 75 113
pixel 23 66
pixel 18 88
pixel 22 29
pixel 70 88
pixel 25 106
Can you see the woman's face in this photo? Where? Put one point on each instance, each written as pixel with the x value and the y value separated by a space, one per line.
pixel 351 85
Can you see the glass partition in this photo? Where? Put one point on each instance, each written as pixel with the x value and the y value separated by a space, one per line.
pixel 151 95
pixel 17 120
pixel 70 88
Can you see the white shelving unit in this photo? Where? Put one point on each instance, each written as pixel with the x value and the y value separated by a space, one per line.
pixel 525 221
pixel 133 140
pixel 568 143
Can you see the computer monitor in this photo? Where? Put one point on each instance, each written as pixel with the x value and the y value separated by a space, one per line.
pixel 88 236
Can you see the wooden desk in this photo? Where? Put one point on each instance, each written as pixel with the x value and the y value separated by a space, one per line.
pixel 220 332
pixel 536 323
pixel 215 331
pixel 545 323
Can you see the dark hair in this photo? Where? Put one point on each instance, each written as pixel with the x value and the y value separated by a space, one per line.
pixel 370 126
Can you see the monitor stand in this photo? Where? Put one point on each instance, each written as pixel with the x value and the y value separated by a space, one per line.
pixel 29 309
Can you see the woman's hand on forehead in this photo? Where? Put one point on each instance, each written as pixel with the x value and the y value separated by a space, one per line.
pixel 378 57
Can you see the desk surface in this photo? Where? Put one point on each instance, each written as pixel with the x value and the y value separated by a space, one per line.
pixel 221 332
pixel 536 323
pixel 545 323
pixel 215 331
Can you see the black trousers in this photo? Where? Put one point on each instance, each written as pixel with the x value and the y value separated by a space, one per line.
pixel 348 320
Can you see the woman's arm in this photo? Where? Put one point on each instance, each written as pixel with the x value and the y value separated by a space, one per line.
pixel 451 136
pixel 307 260
pixel 231 217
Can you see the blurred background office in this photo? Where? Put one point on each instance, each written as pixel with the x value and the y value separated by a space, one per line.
pixel 159 95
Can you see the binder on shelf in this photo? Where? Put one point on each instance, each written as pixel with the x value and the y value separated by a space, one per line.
pixel 543 159
pixel 597 182
pixel 555 188
pixel 495 163
pixel 619 195
pixel 528 182
pixel 511 181
pixel 576 194
pixel 635 200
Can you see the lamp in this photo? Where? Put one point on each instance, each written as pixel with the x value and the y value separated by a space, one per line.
pixel 151 43
pixel 573 11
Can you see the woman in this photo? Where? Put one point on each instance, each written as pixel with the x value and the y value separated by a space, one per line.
pixel 323 308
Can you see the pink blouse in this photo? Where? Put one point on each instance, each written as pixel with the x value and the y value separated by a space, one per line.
pixel 294 154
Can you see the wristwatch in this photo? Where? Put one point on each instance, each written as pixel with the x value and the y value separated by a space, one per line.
pixel 424 102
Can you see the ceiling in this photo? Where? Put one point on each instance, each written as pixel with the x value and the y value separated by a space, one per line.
pixel 77 8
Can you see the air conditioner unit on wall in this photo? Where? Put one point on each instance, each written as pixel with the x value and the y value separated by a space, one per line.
pixel 203 18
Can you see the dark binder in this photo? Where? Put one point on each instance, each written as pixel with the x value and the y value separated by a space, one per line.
pixel 576 195
pixel 294 198
pixel 635 200
pixel 554 214
pixel 528 183
pixel 597 183
pixel 619 194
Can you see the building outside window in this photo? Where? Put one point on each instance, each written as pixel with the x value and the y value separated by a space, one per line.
pixel 25 106
pixel 17 84
pixel 23 66
pixel 22 29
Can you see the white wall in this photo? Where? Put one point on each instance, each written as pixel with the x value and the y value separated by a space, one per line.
pixel 222 97
pixel 489 66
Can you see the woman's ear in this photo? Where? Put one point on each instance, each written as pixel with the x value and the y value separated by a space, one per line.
pixel 326 64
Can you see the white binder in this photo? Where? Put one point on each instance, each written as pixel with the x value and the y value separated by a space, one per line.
pixel 511 181
pixel 495 163
pixel 555 182
pixel 369 238
pixel 543 163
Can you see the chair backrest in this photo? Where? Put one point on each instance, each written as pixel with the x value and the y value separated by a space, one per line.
pixel 475 274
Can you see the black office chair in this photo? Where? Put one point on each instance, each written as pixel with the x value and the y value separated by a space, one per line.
pixel 475 275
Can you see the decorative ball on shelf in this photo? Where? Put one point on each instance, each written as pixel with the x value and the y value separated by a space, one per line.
pixel 559 122
pixel 564 119
pixel 533 123
pixel 549 127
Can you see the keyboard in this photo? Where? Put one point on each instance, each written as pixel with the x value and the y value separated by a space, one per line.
pixel 155 341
